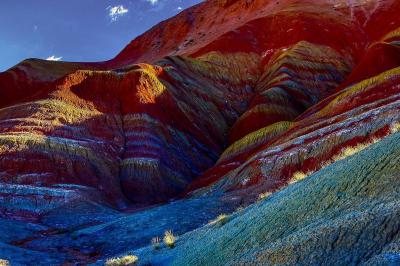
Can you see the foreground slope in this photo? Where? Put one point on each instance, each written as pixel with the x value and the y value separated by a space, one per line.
pixel 345 214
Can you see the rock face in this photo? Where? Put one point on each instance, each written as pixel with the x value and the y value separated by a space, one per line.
pixel 226 101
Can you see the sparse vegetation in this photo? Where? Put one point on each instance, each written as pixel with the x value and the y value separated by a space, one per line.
pixel 298 176
pixel 156 242
pixel 221 219
pixel 344 153
pixel 348 151
pixel 122 261
pixel 4 262
pixel 395 127
pixel 169 239
pixel 240 209
pixel 263 196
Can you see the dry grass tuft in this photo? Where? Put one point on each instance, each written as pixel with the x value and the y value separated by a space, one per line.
pixel 395 127
pixel 4 262
pixel 299 176
pixel 263 196
pixel 156 242
pixel 240 209
pixel 122 261
pixel 221 219
pixel 169 239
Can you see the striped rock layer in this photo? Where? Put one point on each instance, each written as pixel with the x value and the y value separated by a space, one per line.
pixel 228 96
pixel 221 106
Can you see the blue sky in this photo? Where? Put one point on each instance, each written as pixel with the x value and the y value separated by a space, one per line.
pixel 76 30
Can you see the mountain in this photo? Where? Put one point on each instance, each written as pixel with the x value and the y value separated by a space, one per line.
pixel 278 117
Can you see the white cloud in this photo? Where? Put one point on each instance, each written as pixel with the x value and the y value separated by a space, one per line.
pixel 54 58
pixel 153 2
pixel 116 11
pixel 156 5
pixel 179 8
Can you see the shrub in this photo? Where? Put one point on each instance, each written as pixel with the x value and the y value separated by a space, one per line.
pixel 221 219
pixel 169 239
pixel 156 242
pixel 122 261
pixel 240 209
pixel 4 262
pixel 395 127
pixel 298 176
pixel 263 196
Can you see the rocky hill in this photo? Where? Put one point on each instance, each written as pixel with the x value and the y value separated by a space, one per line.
pixel 251 111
